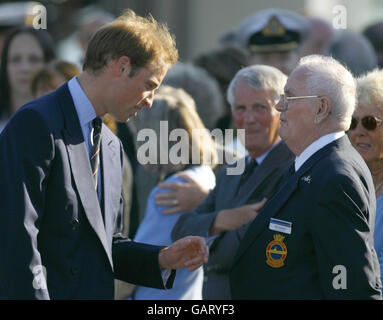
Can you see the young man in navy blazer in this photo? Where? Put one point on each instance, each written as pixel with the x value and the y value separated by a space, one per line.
pixel 59 206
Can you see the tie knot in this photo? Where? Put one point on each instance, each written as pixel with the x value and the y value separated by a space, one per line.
pixel 97 123
pixel 249 168
pixel 252 163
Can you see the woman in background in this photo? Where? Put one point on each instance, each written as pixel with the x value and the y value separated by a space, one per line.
pixel 366 133
pixel 177 109
pixel 25 51
pixel 52 76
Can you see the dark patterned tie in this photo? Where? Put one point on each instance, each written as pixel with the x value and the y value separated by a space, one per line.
pixel 249 169
pixel 95 151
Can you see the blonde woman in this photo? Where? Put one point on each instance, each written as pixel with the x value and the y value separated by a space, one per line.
pixel 366 133
pixel 175 109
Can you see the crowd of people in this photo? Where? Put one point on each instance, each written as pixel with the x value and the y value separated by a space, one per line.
pixel 85 216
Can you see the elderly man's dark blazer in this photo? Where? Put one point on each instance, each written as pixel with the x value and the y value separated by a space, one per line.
pixel 328 251
pixel 262 183
pixel 51 218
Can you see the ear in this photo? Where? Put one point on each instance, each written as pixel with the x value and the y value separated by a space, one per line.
pixel 123 65
pixel 323 110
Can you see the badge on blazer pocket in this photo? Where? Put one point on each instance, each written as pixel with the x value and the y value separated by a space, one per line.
pixel 276 252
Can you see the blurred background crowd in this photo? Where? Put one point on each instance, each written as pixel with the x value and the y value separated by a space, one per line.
pixel 215 39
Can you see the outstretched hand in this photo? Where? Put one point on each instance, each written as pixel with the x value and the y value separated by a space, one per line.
pixel 188 252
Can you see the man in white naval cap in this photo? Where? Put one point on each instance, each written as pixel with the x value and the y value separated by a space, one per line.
pixel 272 36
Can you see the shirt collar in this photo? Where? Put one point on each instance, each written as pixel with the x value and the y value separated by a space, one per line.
pixel 316 146
pixel 84 107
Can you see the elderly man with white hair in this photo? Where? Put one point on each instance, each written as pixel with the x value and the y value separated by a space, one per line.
pixel 236 199
pixel 314 238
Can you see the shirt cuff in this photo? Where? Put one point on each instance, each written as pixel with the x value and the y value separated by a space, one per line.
pixel 165 274
pixel 210 239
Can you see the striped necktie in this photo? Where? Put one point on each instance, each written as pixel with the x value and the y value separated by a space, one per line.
pixel 249 169
pixel 95 151
pixel 251 164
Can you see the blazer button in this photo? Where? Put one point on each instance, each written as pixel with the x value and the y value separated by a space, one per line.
pixel 74 270
pixel 75 223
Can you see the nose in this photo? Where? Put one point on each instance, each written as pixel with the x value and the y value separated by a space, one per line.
pixel 279 106
pixel 148 101
pixel 358 131
pixel 249 116
pixel 24 66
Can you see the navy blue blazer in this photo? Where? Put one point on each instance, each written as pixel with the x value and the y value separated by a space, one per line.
pixel 330 202
pixel 51 219
pixel 262 183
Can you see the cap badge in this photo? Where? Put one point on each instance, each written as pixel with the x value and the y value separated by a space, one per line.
pixel 273 28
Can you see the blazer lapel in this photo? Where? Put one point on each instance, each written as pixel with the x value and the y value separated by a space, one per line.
pixel 287 188
pixel 274 158
pixel 112 195
pixel 80 166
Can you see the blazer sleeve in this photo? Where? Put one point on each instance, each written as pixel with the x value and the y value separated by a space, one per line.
pixel 26 153
pixel 341 234
pixel 137 263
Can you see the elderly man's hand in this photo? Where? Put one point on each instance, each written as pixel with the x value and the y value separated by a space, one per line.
pixel 188 252
pixel 232 219
pixel 182 196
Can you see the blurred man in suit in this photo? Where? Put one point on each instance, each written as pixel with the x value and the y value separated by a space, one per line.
pixel 229 207
pixel 61 176
pixel 314 238
pixel 272 36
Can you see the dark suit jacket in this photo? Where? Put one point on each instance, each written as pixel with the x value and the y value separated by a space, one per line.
pixel 330 202
pixel 50 213
pixel 262 183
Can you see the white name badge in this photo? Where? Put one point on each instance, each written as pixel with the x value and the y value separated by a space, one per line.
pixel 280 225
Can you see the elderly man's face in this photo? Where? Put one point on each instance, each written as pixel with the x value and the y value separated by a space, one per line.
pixel 254 111
pixel 297 122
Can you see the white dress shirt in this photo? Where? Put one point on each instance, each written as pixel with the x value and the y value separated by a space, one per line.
pixel 316 146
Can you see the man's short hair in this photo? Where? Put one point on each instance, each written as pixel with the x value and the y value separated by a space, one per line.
pixel 142 39
pixel 259 77
pixel 328 77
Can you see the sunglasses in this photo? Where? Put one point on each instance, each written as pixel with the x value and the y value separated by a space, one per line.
pixel 369 123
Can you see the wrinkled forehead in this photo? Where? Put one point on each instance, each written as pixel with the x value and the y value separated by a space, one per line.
pixel 296 80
